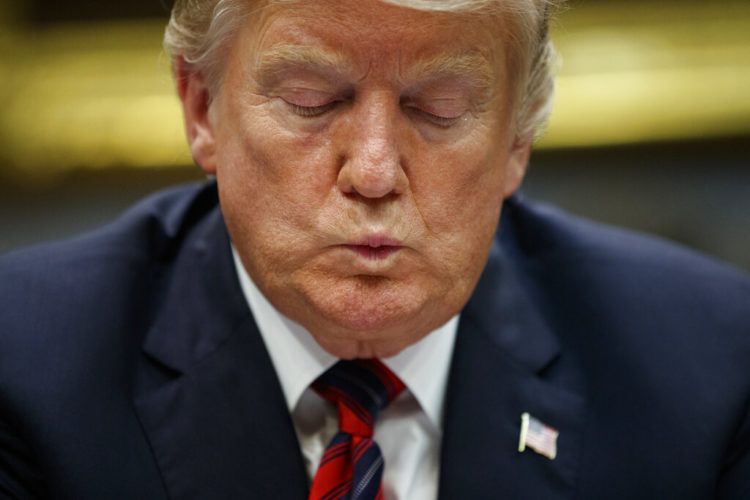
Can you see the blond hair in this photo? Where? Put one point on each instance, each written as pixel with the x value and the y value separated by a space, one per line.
pixel 198 30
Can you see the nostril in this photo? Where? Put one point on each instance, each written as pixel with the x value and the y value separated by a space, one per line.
pixel 368 179
pixel 374 183
pixel 371 166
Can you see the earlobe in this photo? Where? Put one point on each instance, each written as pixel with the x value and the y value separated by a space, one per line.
pixel 516 167
pixel 196 100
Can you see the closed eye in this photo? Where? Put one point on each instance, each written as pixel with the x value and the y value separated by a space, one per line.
pixel 433 119
pixel 311 111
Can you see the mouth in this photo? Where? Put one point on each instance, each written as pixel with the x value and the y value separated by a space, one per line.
pixel 375 247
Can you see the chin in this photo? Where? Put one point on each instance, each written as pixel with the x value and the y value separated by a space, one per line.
pixel 366 305
pixel 351 336
pixel 365 322
pixel 376 319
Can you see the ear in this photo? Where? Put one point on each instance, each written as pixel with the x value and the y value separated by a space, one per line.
pixel 196 100
pixel 517 165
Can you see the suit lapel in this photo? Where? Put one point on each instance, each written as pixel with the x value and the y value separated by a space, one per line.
pixel 206 394
pixel 503 350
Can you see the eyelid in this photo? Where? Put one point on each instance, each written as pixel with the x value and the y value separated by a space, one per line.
pixel 308 103
pixel 441 105
pixel 437 120
pixel 425 109
pixel 311 111
pixel 306 97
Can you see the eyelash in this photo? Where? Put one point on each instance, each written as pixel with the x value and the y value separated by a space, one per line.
pixel 311 111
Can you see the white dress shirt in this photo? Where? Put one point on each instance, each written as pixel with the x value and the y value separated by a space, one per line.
pixel 408 431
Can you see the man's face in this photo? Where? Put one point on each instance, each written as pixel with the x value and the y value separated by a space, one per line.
pixel 362 153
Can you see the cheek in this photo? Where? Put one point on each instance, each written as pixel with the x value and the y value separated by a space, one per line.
pixel 283 176
pixel 461 191
pixel 460 203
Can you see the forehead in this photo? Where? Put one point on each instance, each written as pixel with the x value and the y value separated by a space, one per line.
pixel 368 36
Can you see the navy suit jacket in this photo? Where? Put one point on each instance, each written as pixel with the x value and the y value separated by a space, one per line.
pixel 131 367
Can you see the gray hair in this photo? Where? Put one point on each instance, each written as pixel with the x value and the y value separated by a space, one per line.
pixel 198 30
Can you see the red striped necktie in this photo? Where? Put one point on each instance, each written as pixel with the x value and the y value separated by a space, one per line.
pixel 352 464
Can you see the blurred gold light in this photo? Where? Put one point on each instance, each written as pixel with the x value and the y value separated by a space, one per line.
pixel 98 96
pixel 637 72
pixel 90 97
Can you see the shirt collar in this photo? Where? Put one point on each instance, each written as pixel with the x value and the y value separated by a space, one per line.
pixel 298 359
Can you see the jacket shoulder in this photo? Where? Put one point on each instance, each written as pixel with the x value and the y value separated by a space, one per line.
pixel 66 295
pixel 609 291
pixel 545 234
pixel 150 228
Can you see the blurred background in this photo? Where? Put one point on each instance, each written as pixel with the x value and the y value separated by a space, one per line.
pixel 651 127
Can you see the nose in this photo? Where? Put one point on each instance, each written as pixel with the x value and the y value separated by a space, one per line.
pixel 372 165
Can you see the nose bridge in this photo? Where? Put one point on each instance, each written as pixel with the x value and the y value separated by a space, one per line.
pixel 377 134
pixel 373 164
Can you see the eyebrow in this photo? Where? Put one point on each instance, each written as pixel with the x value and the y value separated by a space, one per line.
pixel 285 56
pixel 472 66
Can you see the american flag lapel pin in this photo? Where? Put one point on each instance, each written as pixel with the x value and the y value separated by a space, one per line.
pixel 538 436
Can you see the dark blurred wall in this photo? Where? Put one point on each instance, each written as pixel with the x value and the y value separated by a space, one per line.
pixel 52 11
pixel 695 193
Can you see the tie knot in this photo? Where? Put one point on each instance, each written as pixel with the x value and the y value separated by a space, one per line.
pixel 359 388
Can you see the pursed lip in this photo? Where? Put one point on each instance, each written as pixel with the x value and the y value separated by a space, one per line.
pixel 375 246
